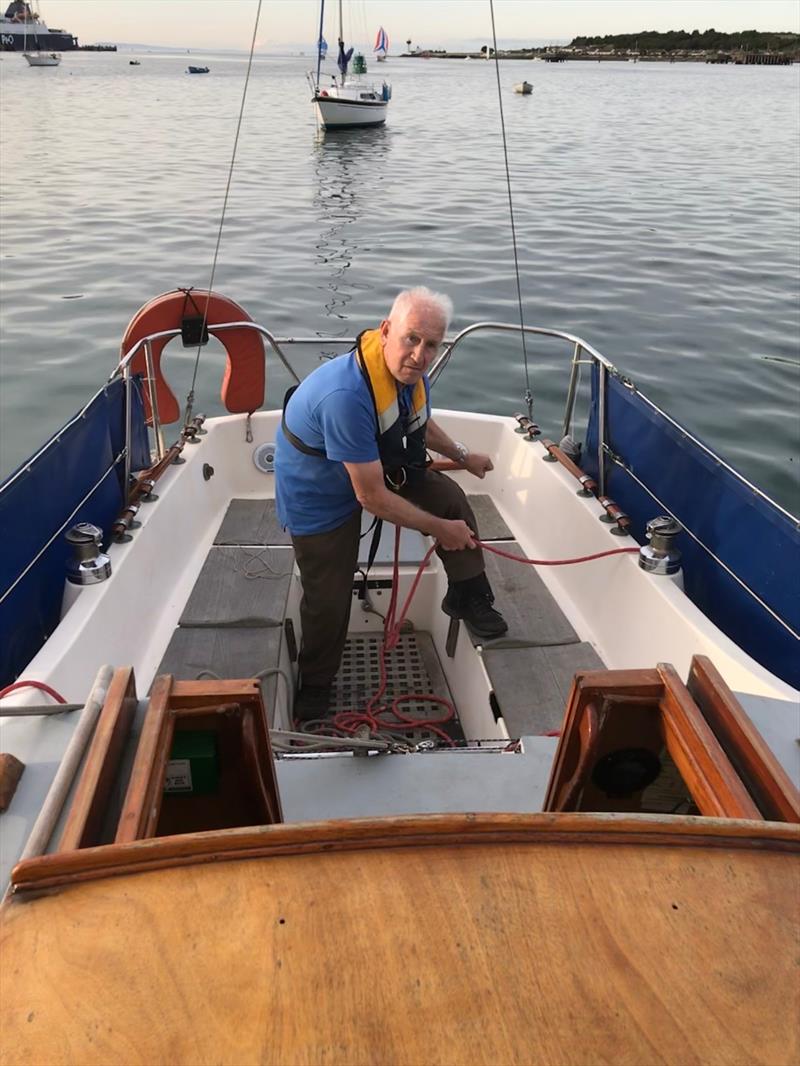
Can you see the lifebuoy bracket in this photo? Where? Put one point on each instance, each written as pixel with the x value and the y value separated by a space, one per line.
pixel 194 331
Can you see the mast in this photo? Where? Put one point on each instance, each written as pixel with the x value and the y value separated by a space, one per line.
pixel 319 39
pixel 341 33
pixel 344 55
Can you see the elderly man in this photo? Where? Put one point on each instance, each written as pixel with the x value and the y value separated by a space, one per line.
pixel 354 436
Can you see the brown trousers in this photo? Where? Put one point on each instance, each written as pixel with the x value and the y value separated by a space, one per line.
pixel 328 561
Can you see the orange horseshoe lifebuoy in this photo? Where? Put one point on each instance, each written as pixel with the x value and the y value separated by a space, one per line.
pixel 243 385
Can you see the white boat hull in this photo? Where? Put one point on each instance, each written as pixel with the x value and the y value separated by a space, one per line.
pixel 37 60
pixel 343 113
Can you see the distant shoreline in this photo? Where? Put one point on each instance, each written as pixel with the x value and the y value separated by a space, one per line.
pixel 561 55
pixel 748 48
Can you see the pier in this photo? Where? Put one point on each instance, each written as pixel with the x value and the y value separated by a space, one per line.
pixel 761 59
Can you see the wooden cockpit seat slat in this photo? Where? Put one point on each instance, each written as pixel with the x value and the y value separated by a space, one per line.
pixel 491 524
pixel 252 522
pixel 225 594
pixel 84 822
pixel 226 651
pixel 768 783
pixel 246 792
pixel 533 615
pixel 532 685
pixel 714 784
pixel 149 766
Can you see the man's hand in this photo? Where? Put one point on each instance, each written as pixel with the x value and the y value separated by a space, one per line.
pixel 453 534
pixel 372 494
pixel 478 464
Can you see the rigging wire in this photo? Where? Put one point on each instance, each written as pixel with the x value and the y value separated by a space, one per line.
pixel 528 393
pixel 190 395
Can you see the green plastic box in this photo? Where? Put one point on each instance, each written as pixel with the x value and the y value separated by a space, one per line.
pixel 193 767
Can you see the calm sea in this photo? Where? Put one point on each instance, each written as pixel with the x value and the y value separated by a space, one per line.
pixel 656 209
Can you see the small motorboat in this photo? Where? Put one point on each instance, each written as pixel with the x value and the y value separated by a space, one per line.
pixel 524 88
pixel 197 70
pixel 134 63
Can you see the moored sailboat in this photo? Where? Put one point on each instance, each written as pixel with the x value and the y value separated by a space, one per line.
pixel 350 101
pixel 42 59
pixel 37 58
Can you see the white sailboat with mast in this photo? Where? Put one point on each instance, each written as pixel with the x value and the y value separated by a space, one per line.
pixel 350 101
pixel 37 58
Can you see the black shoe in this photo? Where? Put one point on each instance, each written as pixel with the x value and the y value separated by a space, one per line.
pixel 474 606
pixel 312 701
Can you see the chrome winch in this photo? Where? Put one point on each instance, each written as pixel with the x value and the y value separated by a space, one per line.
pixel 661 556
pixel 89 564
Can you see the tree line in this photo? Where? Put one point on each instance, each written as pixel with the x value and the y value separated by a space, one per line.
pixel 696 41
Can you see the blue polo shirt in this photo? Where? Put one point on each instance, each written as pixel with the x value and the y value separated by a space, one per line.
pixel 331 410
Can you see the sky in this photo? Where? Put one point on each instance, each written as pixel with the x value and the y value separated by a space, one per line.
pixel 285 25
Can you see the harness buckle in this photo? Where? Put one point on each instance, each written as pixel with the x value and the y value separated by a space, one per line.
pixel 395 486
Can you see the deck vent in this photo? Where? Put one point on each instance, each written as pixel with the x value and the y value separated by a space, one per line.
pixel 88 565
pixel 661 556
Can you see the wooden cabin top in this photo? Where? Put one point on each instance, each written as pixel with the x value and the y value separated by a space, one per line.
pixel 552 938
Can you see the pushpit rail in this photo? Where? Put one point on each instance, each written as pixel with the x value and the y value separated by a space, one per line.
pixel 277 344
pixel 583 354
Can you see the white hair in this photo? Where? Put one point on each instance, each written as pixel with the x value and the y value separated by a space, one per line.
pixel 437 300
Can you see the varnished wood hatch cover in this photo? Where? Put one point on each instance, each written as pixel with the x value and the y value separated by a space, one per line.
pixel 553 938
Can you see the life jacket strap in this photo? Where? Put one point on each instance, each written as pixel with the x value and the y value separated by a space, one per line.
pixel 292 438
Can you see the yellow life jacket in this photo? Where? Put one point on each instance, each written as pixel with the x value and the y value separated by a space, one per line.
pixel 401 442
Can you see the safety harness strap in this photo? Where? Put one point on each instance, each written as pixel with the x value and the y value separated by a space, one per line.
pixel 292 437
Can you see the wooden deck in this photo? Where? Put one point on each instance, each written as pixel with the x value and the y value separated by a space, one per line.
pixel 467 939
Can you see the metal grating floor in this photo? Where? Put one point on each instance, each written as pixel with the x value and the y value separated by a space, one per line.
pixel 412 667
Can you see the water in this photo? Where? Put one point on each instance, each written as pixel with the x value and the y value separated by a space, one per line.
pixel 656 209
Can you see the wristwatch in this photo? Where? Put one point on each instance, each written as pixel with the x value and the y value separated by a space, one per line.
pixel 462 451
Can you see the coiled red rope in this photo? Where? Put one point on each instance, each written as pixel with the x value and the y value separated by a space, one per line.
pixel 375 714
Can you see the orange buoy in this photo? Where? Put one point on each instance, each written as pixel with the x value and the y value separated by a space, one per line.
pixel 244 381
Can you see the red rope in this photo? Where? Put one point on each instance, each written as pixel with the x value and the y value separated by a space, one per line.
pixel 32 684
pixel 371 716
pixel 556 562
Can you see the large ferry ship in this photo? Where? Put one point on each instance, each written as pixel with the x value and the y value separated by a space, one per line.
pixel 23 28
